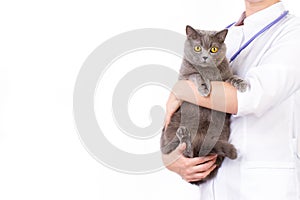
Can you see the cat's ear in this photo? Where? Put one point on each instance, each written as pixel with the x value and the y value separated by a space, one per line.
pixel 190 32
pixel 221 35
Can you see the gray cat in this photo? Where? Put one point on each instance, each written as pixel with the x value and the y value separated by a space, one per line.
pixel 204 131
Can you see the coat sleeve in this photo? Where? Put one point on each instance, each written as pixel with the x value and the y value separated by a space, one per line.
pixel 276 77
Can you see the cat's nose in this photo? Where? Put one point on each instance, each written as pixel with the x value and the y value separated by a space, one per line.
pixel 204 57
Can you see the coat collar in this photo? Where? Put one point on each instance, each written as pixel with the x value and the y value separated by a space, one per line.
pixel 265 16
pixel 257 21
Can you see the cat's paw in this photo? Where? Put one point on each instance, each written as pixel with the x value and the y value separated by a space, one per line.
pixel 239 83
pixel 242 85
pixel 184 136
pixel 204 89
pixel 183 133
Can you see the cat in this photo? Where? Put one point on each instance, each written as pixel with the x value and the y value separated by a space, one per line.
pixel 204 131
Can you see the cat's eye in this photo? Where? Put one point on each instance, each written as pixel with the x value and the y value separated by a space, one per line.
pixel 197 48
pixel 214 49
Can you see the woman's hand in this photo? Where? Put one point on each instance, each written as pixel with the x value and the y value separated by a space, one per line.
pixel 172 105
pixel 190 169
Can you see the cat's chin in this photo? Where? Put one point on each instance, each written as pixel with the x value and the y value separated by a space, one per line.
pixel 204 65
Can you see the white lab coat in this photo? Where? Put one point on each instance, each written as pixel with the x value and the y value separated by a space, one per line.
pixel 266 129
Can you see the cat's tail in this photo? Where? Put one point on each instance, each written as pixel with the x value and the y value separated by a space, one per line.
pixel 223 148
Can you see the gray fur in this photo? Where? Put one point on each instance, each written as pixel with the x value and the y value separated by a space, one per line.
pixel 210 134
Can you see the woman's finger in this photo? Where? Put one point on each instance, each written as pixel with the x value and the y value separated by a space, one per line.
pixel 199 169
pixel 167 121
pixel 199 176
pixel 199 160
pixel 204 167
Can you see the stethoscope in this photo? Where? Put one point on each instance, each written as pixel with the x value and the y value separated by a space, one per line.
pixel 257 34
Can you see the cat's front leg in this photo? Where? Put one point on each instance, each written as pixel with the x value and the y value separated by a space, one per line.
pixel 205 88
pixel 238 83
pixel 202 84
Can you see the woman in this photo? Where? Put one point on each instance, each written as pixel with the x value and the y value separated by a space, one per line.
pixel 265 123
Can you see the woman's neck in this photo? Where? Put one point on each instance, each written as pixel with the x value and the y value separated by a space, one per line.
pixel 253 6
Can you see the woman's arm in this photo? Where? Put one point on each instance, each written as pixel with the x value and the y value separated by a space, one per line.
pixel 223 97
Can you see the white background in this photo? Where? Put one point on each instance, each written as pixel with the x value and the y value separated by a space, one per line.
pixel 42 47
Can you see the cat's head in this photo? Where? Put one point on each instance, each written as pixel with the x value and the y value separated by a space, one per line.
pixel 205 48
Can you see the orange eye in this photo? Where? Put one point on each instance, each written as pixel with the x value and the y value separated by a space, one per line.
pixel 197 48
pixel 214 49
